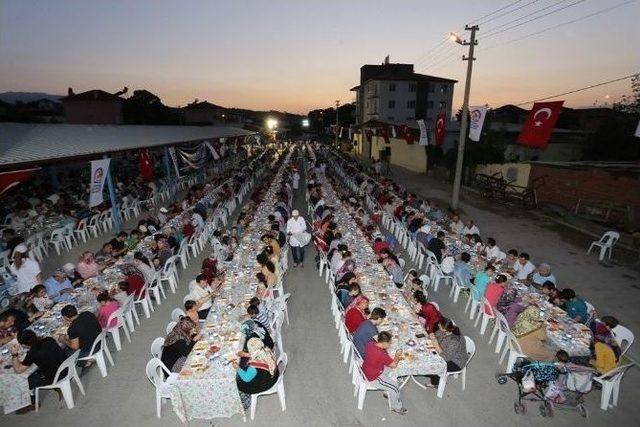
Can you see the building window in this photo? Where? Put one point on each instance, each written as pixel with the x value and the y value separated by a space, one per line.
pixel 391 118
pixel 411 104
pixel 441 105
pixel 392 87
pixel 413 87
pixel 430 105
pixel 392 104
pixel 443 88
pixel 410 118
pixel 432 88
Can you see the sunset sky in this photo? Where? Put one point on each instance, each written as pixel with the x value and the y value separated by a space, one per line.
pixel 297 55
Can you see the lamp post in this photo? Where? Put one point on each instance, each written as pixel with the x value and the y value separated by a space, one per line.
pixel 455 198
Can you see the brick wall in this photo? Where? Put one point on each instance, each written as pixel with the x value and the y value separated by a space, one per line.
pixel 564 187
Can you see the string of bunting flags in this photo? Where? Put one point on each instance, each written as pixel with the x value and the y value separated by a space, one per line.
pixel 535 133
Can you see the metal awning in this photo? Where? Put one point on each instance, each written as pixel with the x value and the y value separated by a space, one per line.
pixel 26 143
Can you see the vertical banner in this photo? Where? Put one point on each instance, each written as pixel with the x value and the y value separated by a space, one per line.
pixel 424 139
pixel 172 153
pixel 393 132
pixel 476 120
pixel 441 128
pixel 638 130
pixel 99 171
pixel 350 133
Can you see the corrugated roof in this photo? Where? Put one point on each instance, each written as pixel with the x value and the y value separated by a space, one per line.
pixel 32 143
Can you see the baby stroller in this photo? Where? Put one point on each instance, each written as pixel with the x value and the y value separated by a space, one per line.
pixel 554 386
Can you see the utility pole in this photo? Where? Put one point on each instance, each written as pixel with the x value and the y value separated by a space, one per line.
pixel 465 115
pixel 337 105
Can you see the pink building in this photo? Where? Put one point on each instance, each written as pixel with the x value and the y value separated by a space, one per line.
pixel 93 107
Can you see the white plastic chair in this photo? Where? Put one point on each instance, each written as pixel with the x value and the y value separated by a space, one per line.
pixel 514 350
pixel 500 330
pixel 64 383
pixel 99 350
pixel 170 326
pixel 610 382
pixel 623 335
pixel 162 380
pixel 81 230
pixel 143 300
pixel 58 240
pixel 94 225
pixel 176 314
pixel 280 304
pixel 168 274
pixel 486 313
pixel 278 387
pixel 606 243
pixel 471 350
pixel 130 313
pixel 156 347
pixel 118 316
pixel 362 385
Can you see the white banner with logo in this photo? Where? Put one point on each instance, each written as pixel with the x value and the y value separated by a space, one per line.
pixel 424 139
pixel 99 171
pixel 476 120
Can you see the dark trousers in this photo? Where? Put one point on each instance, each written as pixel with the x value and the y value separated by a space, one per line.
pixel 451 367
pixel 298 254
pixel 202 314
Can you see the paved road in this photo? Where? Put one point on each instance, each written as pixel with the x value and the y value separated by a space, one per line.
pixel 318 386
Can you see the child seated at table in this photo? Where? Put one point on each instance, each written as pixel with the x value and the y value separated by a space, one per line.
pixel 41 301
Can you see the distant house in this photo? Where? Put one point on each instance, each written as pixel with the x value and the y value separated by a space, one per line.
pixel 203 113
pixel 93 107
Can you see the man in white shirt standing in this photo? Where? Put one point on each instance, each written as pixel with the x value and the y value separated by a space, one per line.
pixel 296 225
pixel 523 267
pixel 295 178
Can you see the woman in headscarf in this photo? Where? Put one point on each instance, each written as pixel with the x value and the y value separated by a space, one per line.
pixel 348 265
pixel 606 350
pixel 257 370
pixel 179 343
pixel 252 329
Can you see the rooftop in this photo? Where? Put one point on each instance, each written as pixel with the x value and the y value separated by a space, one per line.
pixel 24 143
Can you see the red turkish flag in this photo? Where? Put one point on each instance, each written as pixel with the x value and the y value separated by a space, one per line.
pixel 542 118
pixel 405 132
pixel 146 165
pixel 441 125
pixel 9 180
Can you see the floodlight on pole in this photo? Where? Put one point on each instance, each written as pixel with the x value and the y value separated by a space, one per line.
pixel 305 123
pixel 272 124
pixel 455 37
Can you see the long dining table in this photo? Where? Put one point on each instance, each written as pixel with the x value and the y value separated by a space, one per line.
pixel 419 354
pixel 206 387
pixel 560 331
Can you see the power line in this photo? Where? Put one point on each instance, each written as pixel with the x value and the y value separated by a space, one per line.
pixel 476 21
pixel 579 90
pixel 437 50
pixel 553 27
pixel 486 36
pixel 507 13
pixel 554 4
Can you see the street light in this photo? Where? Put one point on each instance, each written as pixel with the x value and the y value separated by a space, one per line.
pixel 272 124
pixel 305 123
pixel 455 197
pixel 455 37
